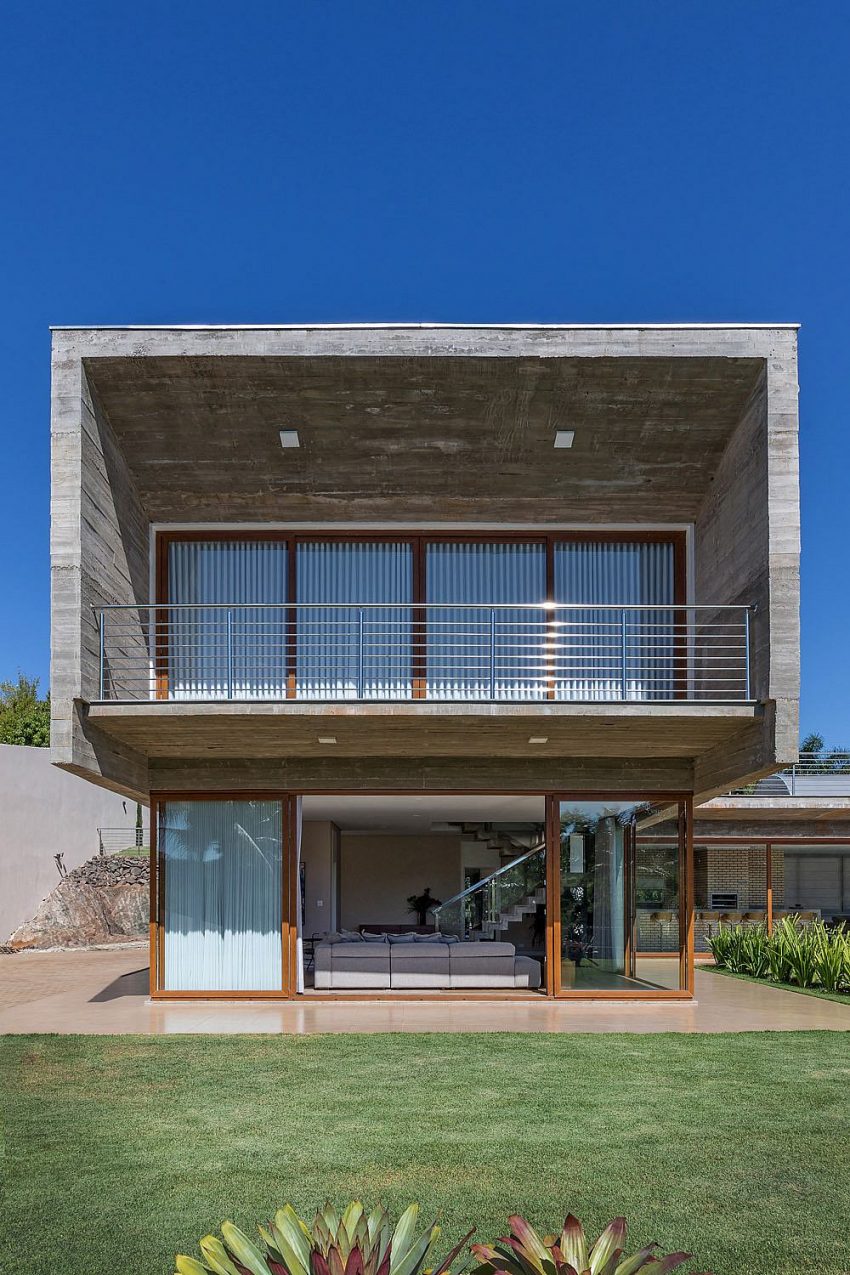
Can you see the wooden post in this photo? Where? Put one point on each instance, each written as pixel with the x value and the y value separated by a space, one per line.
pixel 768 869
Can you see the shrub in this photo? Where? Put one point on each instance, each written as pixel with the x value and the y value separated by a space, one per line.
pixel 353 1244
pixel 523 1252
pixel 812 955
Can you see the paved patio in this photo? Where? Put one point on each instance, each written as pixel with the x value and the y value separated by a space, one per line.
pixel 105 992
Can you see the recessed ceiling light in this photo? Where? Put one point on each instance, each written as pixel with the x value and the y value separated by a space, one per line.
pixel 289 438
pixel 327 739
pixel 538 739
pixel 564 437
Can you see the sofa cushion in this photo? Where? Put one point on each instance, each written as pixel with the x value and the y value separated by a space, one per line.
pixel 368 937
pixel 362 953
pixel 527 972
pixel 481 951
pixel 408 937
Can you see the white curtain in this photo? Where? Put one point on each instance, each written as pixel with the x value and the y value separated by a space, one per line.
pixel 589 643
pixel 299 902
pixel 609 895
pixel 211 655
pixel 344 653
pixel 222 915
pixel 473 653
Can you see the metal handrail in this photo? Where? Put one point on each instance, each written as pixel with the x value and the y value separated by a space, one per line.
pixel 455 650
pixel 426 606
pixel 506 867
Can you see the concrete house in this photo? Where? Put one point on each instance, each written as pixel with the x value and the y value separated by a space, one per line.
pixel 421 641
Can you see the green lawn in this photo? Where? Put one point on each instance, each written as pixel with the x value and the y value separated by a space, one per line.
pixel 122 1150
pixel 843 998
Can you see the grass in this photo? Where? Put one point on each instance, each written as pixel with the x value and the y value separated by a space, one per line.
pixel 122 1150
pixel 843 998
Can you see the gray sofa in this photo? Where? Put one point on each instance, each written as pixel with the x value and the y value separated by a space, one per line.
pixel 397 962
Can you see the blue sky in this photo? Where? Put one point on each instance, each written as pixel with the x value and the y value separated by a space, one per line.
pixel 638 160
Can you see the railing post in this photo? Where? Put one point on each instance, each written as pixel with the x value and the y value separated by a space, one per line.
pixel 100 648
pixel 492 654
pixel 360 653
pixel 747 652
pixel 794 781
pixel 623 682
pixel 230 654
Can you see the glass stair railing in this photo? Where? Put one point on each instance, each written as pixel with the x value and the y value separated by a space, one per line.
pixel 487 909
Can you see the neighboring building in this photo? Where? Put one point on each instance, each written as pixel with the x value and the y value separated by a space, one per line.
pixel 365 609
pixel 778 847
pixel 45 814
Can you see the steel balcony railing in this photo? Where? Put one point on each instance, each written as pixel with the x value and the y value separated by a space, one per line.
pixel 451 652
pixel 816 774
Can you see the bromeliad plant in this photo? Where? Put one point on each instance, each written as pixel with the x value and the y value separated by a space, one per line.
pixel 356 1243
pixel 523 1252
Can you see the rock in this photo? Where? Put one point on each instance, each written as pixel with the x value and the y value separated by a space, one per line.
pixel 103 901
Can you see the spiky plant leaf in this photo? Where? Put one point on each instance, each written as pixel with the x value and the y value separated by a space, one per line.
pixel 403 1235
pixel 416 1253
pixel 188 1266
pixel 630 1265
pixel 244 1250
pixel 573 1244
pixel 610 1241
pixel 216 1256
pixel 445 1265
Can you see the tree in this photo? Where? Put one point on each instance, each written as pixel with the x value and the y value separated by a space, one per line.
pixel 24 718
pixel 820 760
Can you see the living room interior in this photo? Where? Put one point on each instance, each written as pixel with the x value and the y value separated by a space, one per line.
pixel 389 884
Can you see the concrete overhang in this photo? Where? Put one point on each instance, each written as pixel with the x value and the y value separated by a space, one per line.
pixel 422 729
pixel 417 423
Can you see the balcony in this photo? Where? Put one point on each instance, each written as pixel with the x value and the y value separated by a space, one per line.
pixel 438 682
pixel 387 653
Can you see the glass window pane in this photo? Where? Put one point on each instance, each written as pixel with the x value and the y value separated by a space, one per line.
pixel 607 872
pixel 492 650
pixel 599 657
pixel 222 865
pixel 345 652
pixel 235 647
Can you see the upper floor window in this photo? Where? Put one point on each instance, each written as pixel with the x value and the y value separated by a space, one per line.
pixel 438 617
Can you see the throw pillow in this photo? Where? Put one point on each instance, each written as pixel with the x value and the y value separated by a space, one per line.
pixel 407 937
pixel 368 937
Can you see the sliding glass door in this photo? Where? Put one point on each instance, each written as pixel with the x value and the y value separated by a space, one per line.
pixel 354 620
pixel 224 631
pixel 604 652
pixel 221 895
pixel 481 642
pixel 607 876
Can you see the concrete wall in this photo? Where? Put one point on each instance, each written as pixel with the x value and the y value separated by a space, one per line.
pixel 99 540
pixel 744 501
pixel 379 872
pixel 45 811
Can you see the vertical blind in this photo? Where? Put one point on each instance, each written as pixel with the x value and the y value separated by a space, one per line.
pixel 349 652
pixel 215 656
pixel 473 652
pixel 347 649
pixel 591 642
pixel 223 900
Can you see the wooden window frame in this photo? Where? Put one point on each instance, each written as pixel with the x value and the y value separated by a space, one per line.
pixel 551 989
pixel 418 543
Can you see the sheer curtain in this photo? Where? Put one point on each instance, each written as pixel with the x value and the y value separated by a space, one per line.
pixel 223 905
pixel 205 660
pixel 342 653
pixel 609 934
pixel 589 663
pixel 470 651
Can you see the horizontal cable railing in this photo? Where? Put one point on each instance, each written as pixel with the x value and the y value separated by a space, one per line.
pixel 126 841
pixel 447 651
pixel 816 774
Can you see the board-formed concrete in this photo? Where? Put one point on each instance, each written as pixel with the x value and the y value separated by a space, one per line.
pixel 417 426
